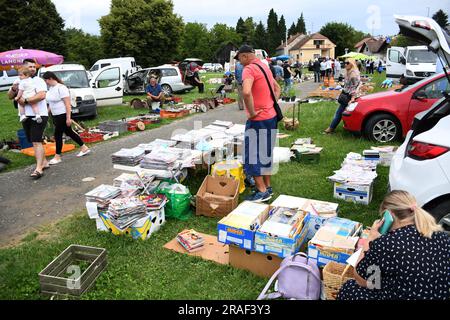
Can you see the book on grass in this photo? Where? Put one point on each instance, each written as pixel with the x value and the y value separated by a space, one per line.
pixel 191 240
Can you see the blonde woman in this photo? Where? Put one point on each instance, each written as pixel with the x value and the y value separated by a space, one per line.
pixel 352 82
pixel 410 262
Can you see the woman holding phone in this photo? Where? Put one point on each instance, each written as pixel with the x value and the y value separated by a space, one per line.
pixel 58 99
pixel 411 261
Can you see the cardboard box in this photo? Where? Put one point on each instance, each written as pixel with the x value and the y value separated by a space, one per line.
pixel 148 225
pixel 239 226
pixel 353 193
pixel 322 254
pixel 109 225
pixel 283 247
pixel 263 265
pixel 217 197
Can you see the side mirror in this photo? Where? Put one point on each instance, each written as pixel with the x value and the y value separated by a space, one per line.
pixel 94 86
pixel 402 60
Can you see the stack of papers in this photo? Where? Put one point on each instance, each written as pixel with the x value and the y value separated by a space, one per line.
pixel 225 124
pixel 342 227
pixel 155 201
pixel 356 170
pixel 302 141
pixel 128 157
pixel 283 222
pixel 247 216
pixel 191 240
pixel 132 179
pixel 125 212
pixel 236 130
pixel 160 159
pixel 158 143
pixel 305 146
pixel 102 195
pixel 337 233
pixel 323 209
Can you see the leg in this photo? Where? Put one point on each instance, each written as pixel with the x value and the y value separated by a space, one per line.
pixel 60 124
pixel 337 117
pixel 75 137
pixel 240 97
pixel 267 181
pixel 40 156
pixel 260 184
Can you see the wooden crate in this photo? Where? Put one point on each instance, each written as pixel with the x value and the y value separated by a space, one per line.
pixel 54 280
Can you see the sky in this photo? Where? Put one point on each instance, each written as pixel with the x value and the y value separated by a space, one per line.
pixel 375 17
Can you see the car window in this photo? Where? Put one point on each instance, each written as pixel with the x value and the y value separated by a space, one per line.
pixel 12 73
pixel 169 72
pixel 434 89
pixel 394 56
pixel 109 78
pixel 105 65
pixel 94 68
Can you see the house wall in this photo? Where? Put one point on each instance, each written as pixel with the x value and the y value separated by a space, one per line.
pixel 309 51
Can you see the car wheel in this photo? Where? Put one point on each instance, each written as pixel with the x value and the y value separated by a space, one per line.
pixel 166 89
pixel 383 128
pixel 441 213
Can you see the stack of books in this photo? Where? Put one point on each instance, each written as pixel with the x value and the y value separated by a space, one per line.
pixel 102 195
pixel 155 201
pixel 191 240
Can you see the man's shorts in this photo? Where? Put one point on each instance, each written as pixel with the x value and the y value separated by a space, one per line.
pixel 33 130
pixel 260 139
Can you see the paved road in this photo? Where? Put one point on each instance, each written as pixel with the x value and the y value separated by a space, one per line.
pixel 26 204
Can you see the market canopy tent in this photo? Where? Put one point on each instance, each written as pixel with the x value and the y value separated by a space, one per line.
pixel 14 59
pixel 358 56
pixel 282 58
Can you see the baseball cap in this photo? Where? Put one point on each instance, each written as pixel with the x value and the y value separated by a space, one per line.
pixel 244 49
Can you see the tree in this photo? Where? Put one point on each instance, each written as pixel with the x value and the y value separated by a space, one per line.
pixel 441 18
pixel 301 27
pixel 195 41
pixel 272 32
pixel 282 29
pixel 250 27
pixel 145 29
pixel 83 48
pixel 404 41
pixel 31 25
pixel 342 35
pixel 260 39
pixel 240 26
pixel 292 30
pixel 221 34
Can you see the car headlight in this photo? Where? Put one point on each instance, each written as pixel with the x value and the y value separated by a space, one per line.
pixel 89 98
pixel 351 107
pixel 409 73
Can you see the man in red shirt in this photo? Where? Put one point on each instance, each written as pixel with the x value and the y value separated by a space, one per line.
pixel 261 126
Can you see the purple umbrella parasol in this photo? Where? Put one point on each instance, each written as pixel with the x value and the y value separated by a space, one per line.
pixel 14 59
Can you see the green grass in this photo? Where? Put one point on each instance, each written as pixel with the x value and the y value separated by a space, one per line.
pixel 10 124
pixel 145 270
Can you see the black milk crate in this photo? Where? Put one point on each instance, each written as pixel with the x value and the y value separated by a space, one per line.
pixel 313 158
pixel 56 279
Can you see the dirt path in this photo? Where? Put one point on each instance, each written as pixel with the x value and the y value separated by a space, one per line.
pixel 26 204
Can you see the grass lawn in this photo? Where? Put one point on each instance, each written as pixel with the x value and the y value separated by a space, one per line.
pixel 9 123
pixel 144 270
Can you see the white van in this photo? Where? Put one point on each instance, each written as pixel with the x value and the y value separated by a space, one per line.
pixel 7 78
pixel 105 89
pixel 260 53
pixel 414 63
pixel 127 64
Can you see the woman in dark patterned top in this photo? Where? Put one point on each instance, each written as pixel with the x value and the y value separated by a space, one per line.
pixel 410 262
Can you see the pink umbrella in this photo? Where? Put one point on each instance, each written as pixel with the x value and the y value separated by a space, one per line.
pixel 14 59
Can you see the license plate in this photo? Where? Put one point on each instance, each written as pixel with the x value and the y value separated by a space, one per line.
pixel 75 111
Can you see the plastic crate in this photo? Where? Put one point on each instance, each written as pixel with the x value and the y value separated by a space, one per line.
pixel 65 276
pixel 89 137
pixel 173 115
pixel 309 158
pixel 113 126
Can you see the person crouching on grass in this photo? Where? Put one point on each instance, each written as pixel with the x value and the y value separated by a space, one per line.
pixel 261 126
pixel 410 262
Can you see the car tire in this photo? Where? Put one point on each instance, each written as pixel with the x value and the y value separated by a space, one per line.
pixel 383 128
pixel 441 212
pixel 166 89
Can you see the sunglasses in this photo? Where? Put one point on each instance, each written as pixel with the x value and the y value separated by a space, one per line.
pixel 347 62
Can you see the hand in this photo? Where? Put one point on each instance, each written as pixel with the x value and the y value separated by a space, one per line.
pixel 21 101
pixel 69 122
pixel 254 114
pixel 375 230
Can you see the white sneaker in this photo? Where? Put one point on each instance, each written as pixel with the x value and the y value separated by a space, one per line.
pixel 22 118
pixel 82 154
pixel 54 161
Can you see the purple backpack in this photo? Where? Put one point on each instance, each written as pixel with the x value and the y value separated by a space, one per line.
pixel 298 278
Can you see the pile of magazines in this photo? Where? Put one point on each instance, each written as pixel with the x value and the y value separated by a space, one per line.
pixel 191 240
pixel 128 157
pixel 102 195
pixel 125 212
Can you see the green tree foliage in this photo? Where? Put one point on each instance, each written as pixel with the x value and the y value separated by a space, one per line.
pixel 33 24
pixel 292 30
pixel 403 41
pixel 195 41
pixel 240 27
pixel 272 32
pixel 145 29
pixel 441 18
pixel 220 35
pixel 342 35
pixel 83 48
pixel 301 26
pixel 282 29
pixel 260 40
pixel 250 28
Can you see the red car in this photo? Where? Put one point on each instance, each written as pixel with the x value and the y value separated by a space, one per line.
pixel 388 116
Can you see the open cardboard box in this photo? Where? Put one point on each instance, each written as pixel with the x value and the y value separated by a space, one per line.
pixel 217 196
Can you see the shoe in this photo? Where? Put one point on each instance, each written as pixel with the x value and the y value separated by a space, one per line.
pixel 250 181
pixel 54 161
pixel 82 154
pixel 22 118
pixel 259 197
pixel 36 175
pixel 270 191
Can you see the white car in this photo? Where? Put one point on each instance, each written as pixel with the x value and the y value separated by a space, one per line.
pixel 7 78
pixel 421 165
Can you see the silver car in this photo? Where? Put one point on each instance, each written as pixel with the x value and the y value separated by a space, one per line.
pixel 169 77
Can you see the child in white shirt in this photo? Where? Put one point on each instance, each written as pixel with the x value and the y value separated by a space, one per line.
pixel 27 90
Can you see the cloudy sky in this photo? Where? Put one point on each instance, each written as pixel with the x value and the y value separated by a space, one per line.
pixel 365 15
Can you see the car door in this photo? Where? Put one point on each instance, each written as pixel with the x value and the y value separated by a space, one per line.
pixel 427 95
pixel 108 86
pixel 136 81
pixel 171 77
pixel 394 66
pixel 3 81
